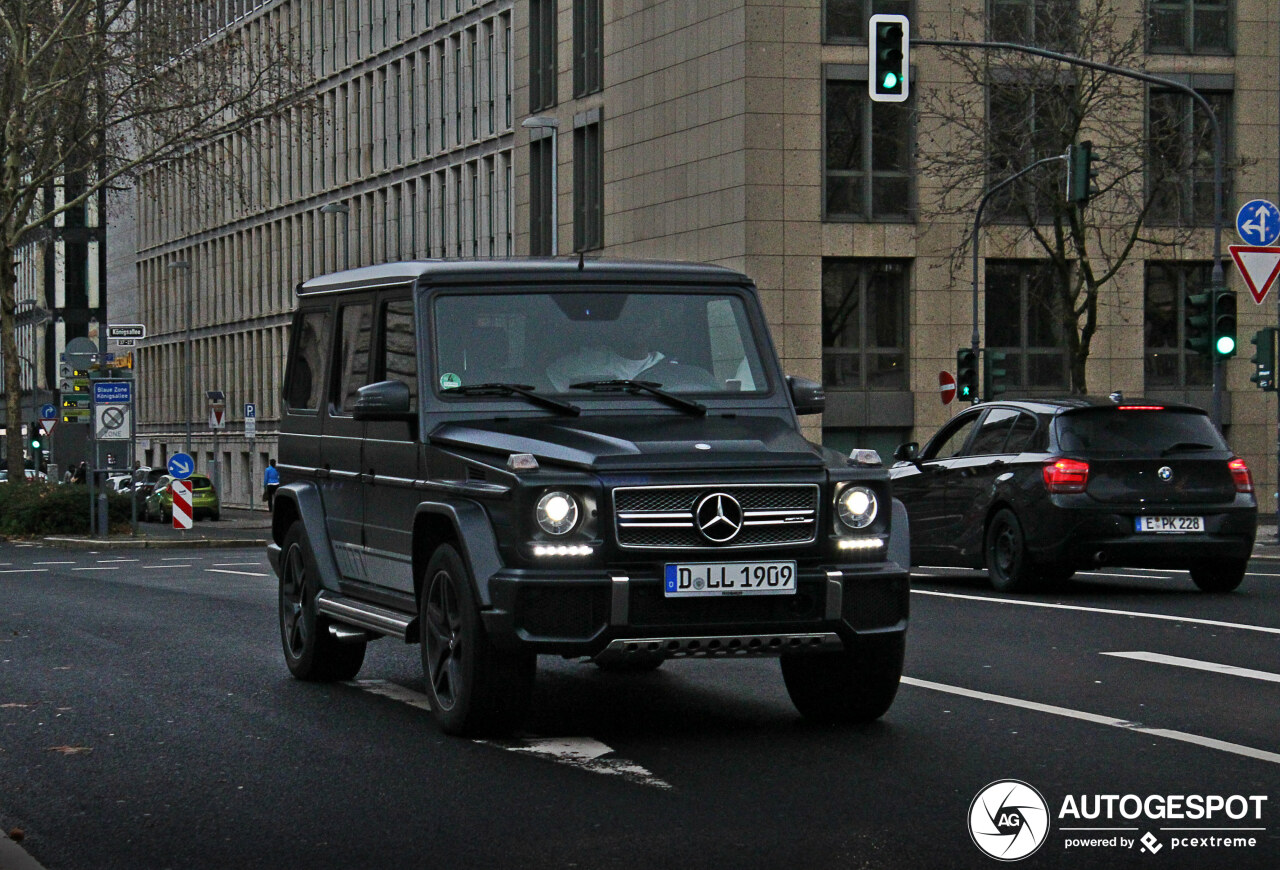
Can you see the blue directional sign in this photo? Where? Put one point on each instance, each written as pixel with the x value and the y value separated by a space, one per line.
pixel 181 465
pixel 1258 223
pixel 48 412
pixel 112 392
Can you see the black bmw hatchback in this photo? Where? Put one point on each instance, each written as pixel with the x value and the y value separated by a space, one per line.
pixel 1035 490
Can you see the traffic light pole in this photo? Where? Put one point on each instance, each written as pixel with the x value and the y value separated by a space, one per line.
pixel 974 341
pixel 1219 149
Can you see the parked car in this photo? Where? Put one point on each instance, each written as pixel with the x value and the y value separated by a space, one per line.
pixel 1036 490
pixel 474 457
pixel 204 499
pixel 29 473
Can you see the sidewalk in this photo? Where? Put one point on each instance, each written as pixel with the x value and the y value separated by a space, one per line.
pixel 236 528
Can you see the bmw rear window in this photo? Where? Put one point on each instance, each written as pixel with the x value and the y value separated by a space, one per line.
pixel 1137 432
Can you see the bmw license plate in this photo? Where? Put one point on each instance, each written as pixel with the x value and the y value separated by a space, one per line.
pixel 1169 525
pixel 691 579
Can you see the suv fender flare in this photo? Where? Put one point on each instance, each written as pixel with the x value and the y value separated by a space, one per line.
pixel 900 536
pixel 301 501
pixel 472 533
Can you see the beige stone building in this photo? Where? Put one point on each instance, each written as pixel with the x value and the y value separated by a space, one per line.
pixel 738 132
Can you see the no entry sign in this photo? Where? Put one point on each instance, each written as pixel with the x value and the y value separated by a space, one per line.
pixel 947 386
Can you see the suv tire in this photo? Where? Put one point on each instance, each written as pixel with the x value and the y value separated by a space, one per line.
pixel 1008 564
pixel 851 687
pixel 474 688
pixel 309 650
pixel 1223 575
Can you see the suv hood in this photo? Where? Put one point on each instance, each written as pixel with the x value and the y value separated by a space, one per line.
pixel 623 443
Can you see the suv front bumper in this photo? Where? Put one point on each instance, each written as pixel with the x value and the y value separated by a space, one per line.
pixel 611 613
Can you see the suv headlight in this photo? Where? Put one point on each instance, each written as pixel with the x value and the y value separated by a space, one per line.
pixel 856 506
pixel 557 512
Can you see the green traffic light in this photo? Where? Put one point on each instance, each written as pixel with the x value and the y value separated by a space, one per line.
pixel 890 81
pixel 1226 345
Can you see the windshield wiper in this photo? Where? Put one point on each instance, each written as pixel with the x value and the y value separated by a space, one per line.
pixel 523 390
pixel 623 385
pixel 1185 447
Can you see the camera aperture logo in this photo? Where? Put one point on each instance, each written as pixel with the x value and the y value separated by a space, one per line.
pixel 1009 820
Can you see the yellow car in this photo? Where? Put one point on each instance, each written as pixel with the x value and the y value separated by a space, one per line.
pixel 204 499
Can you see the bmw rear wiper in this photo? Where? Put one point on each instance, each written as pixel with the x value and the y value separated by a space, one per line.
pixel 1186 447
pixel 624 385
pixel 522 390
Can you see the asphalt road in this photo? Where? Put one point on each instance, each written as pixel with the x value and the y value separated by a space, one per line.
pixel 147 720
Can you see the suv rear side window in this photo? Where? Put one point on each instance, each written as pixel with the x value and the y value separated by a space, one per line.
pixel 306 368
pixel 1138 432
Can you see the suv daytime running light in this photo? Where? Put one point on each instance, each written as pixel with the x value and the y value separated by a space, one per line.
pixel 562 550
pixel 860 543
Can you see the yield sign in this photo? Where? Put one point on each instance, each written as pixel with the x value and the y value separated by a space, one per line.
pixel 1259 266
pixel 46 425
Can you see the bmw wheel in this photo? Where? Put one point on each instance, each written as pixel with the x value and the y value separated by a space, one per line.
pixel 1008 565
pixel 474 688
pixel 309 650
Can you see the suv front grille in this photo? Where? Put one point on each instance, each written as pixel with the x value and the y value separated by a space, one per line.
pixel 665 517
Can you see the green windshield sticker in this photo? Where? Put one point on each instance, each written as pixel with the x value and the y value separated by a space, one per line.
pixel 449 380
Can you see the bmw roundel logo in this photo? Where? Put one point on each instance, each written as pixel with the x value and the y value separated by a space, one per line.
pixel 719 517
pixel 1165 473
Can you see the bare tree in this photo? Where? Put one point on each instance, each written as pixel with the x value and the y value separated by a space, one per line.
pixel 95 91
pixel 1011 109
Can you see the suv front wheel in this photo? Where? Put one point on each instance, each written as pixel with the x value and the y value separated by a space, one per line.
pixel 850 687
pixel 474 688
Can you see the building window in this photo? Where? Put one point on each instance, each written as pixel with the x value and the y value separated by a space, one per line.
pixel 1168 363
pixel 1026 123
pixel 588 46
pixel 1180 157
pixel 864 323
pixel 1189 26
pixel 1025 319
pixel 540 196
pixel 588 188
pixel 846 20
pixel 542 54
pixel 868 155
pixel 1045 23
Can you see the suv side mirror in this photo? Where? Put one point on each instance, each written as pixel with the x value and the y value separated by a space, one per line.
pixel 808 396
pixel 908 452
pixel 385 400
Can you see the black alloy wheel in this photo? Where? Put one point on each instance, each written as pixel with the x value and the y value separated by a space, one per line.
pixel 1008 565
pixel 474 687
pixel 310 651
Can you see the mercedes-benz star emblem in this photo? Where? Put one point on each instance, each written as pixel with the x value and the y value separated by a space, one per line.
pixel 1165 473
pixel 719 517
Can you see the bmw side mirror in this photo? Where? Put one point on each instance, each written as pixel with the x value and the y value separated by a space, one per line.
pixel 908 452
pixel 808 396
pixel 385 400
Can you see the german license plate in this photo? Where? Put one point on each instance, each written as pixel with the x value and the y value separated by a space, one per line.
pixel 1169 525
pixel 690 579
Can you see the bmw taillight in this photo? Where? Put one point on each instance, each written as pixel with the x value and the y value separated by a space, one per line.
pixel 1240 474
pixel 1066 475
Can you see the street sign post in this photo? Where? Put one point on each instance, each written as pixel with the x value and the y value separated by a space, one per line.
pixel 250 420
pixel 119 331
pixel 947 387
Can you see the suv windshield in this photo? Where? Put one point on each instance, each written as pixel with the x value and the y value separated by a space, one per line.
pixel 679 341
pixel 1137 432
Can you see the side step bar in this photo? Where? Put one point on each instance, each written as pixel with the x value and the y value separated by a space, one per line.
pixel 369 617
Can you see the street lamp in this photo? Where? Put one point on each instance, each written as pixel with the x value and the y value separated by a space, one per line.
pixel 345 210
pixel 546 122
pixel 185 266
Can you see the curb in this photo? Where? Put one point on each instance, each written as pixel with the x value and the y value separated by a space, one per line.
pixel 14 857
pixel 154 544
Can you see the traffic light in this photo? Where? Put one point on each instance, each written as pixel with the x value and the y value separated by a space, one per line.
pixel 966 375
pixel 1080 173
pixel 1224 323
pixel 993 374
pixel 889 58
pixel 1197 312
pixel 1264 359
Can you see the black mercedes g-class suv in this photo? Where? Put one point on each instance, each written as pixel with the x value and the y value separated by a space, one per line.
pixel 595 460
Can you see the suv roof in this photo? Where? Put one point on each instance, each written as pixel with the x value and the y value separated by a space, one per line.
pixel 517 271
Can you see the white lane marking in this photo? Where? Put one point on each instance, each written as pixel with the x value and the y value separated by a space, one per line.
pixel 165 567
pixel 26 571
pixel 582 753
pixel 394 691
pixel 234 564
pixel 110 568
pixel 1196 664
pixel 107 561
pixel 1266 629
pixel 1124 576
pixel 50 563
pixel 237 573
pixel 1184 737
